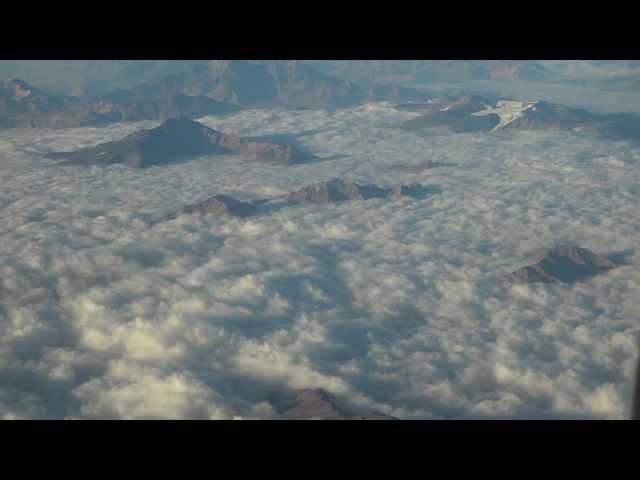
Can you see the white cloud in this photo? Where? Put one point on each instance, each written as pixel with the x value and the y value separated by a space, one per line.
pixel 392 305
pixel 126 392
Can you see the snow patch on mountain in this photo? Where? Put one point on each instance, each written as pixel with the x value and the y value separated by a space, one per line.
pixel 507 110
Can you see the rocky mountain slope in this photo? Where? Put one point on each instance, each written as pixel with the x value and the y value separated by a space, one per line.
pixel 337 190
pixel 563 263
pixel 475 113
pixel 222 205
pixel 317 404
pixel 179 138
pixel 287 84
pixel 24 106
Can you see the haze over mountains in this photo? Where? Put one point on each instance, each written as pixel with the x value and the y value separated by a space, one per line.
pixel 285 84
pixel 88 78
pixel 95 78
pixel 222 87
pixel 209 88
pixel 432 71
pixel 24 106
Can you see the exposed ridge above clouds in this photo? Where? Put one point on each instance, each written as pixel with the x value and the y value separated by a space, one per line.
pixel 317 404
pixel 474 113
pixel 284 83
pixel 88 77
pixel 222 205
pixel 437 71
pixel 563 263
pixel 179 138
pixel 334 190
pixel 24 106
pixel 202 88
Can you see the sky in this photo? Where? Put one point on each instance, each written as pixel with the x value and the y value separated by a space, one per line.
pixel 107 310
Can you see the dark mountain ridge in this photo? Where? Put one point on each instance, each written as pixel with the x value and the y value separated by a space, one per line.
pixel 474 113
pixel 318 404
pixel 24 106
pixel 179 138
pixel 565 264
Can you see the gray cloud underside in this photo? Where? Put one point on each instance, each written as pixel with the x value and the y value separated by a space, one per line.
pixel 395 306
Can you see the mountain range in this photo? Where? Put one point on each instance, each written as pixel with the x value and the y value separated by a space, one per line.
pixel 327 192
pixel 222 205
pixel 336 190
pixel 202 88
pixel 564 264
pixel 318 404
pixel 474 113
pixel 440 71
pixel 24 106
pixel 92 78
pixel 286 84
pixel 179 138
pixel 222 87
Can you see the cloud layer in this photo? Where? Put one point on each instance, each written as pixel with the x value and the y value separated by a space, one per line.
pixel 106 312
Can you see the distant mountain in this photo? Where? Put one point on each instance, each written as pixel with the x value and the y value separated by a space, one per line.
pixel 437 71
pixel 24 106
pixel 456 115
pixel 473 113
pixel 89 78
pixel 317 404
pixel 177 138
pixel 322 193
pixel 337 190
pixel 287 84
pixel 122 108
pixel 496 70
pixel 563 263
pixel 222 205
pixel 203 88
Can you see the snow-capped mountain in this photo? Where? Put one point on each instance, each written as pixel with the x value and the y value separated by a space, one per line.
pixel 475 113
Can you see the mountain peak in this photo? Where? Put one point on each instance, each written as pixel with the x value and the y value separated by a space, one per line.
pixel 336 190
pixel 182 124
pixel 222 205
pixel 563 263
pixel 180 137
pixel 318 404
pixel 19 88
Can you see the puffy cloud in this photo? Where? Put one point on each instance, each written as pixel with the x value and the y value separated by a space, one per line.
pixel 130 392
pixel 106 312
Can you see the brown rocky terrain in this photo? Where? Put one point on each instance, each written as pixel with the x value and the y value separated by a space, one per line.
pixel 317 404
pixel 24 106
pixel 283 83
pixel 473 113
pixel 179 138
pixel 563 263
pixel 337 190
pixel 222 205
